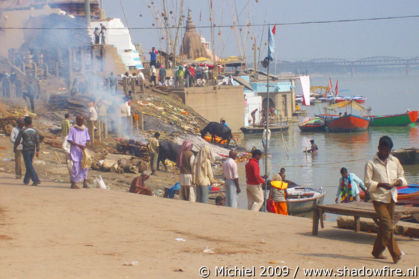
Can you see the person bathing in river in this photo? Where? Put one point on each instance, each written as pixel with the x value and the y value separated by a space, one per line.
pixel 348 190
pixel 313 148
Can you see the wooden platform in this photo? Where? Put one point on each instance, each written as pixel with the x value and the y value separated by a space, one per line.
pixel 358 209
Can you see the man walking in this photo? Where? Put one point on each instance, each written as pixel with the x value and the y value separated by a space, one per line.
pixel 153 148
pixel 185 162
pixel 18 152
pixel 254 182
pixel 231 176
pixel 29 138
pixel 382 176
pixel 65 125
pixel 79 138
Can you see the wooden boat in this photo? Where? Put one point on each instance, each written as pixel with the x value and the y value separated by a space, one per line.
pixel 316 124
pixel 407 156
pixel 394 120
pixel 347 123
pixel 301 199
pixel 405 194
pixel 258 129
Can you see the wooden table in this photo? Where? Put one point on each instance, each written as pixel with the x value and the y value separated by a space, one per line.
pixel 358 210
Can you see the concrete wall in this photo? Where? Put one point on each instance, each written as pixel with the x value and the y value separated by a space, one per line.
pixel 218 102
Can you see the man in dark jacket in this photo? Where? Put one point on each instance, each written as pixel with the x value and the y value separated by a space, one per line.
pixel 29 137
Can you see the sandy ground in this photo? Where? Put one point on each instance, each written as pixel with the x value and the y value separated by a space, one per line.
pixel 50 231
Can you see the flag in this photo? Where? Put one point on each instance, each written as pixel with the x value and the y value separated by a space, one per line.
pixel 271 44
pixel 305 85
pixel 211 4
pixel 274 29
pixel 200 16
pixel 329 87
pixel 336 88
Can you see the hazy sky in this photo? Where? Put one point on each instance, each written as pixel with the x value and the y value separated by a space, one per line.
pixel 398 37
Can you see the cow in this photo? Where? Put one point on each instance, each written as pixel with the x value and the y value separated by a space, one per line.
pixel 219 130
pixel 167 150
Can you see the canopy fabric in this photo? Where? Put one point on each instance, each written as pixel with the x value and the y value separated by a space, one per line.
pixel 343 104
pixel 201 59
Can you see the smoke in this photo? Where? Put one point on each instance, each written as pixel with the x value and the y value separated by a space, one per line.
pixel 61 45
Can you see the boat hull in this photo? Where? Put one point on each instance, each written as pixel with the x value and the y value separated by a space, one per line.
pixel 394 120
pixel 313 125
pixel 347 123
pixel 260 129
pixel 300 204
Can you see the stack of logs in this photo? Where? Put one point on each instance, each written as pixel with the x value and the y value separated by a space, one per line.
pixel 132 147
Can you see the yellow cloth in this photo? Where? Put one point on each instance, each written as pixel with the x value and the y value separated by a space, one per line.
pixel 65 127
pixel 153 145
pixel 279 185
pixel 86 161
pixel 377 171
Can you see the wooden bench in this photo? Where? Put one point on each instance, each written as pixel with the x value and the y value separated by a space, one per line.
pixel 358 210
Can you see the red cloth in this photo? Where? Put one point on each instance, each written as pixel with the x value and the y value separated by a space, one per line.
pixel 253 172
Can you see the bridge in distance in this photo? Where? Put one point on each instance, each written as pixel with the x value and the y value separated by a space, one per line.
pixel 368 64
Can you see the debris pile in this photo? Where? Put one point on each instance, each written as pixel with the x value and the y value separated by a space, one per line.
pixel 118 163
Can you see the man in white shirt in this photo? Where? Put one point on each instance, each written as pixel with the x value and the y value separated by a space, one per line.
pixel 382 176
pixel 231 176
pixel 18 154
pixel 141 80
pixel 91 123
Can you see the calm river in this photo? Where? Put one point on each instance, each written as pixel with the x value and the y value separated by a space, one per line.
pixel 386 93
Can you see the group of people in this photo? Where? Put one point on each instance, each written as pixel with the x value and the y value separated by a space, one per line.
pixel 383 174
pixel 100 34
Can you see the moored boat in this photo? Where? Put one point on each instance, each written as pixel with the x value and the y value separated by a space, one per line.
pixel 302 199
pixel 347 123
pixel 258 129
pixel 316 124
pixel 405 194
pixel 394 120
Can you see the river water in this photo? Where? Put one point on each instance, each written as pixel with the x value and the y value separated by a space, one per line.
pixel 386 93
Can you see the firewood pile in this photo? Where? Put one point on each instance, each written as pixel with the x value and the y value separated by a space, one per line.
pixel 132 147
pixel 78 105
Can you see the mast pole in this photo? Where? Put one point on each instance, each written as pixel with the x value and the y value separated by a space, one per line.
pixel 267 129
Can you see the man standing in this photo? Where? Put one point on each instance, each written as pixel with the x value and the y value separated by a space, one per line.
pixel 162 75
pixel 382 176
pixel 92 120
pixel 65 125
pixel 231 176
pixel 153 57
pixel 141 80
pixel 153 148
pixel 185 162
pixel 79 138
pixel 348 190
pixel 112 83
pixel 254 180
pixel 102 33
pixel 29 138
pixel 18 153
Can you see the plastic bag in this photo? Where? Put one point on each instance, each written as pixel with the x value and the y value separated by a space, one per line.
pixel 100 183
pixel 86 161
